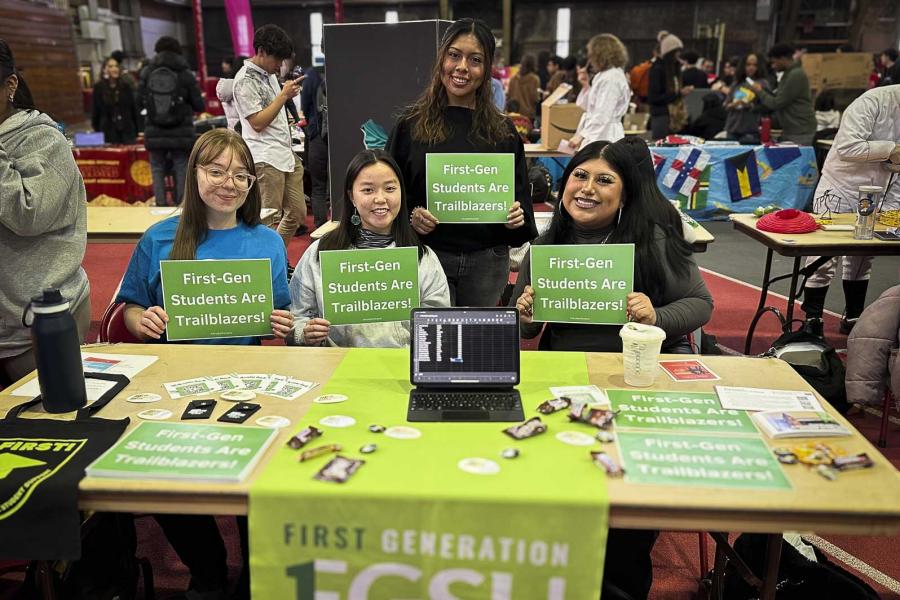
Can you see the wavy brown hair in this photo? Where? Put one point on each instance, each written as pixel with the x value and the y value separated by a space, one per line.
pixel 489 124
pixel 606 51
pixel 193 226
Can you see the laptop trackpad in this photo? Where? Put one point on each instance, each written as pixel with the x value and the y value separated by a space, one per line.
pixel 465 415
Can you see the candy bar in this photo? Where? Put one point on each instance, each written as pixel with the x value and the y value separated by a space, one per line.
pixel 529 428
pixel 556 404
pixel 826 472
pixel 303 438
pixel 339 469
pixel 598 417
pixel 368 449
pixel 510 453
pixel 319 451
pixel 848 463
pixel 376 428
pixel 606 462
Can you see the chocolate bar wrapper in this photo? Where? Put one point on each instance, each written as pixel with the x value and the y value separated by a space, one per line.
pixel 339 469
pixel 319 451
pixel 606 462
pixel 549 407
pixel 848 463
pixel 598 417
pixel 529 428
pixel 304 437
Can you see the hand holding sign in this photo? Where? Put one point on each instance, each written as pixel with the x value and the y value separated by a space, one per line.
pixel 152 322
pixel 423 221
pixel 525 305
pixel 282 323
pixel 640 309
pixel 515 218
pixel 315 331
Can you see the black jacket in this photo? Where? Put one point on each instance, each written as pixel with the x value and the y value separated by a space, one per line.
pixel 658 97
pixel 695 77
pixel 180 137
pixel 114 112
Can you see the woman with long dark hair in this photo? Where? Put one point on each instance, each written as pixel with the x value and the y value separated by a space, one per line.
pixel 665 92
pixel 373 215
pixel 219 220
pixel 742 108
pixel 43 220
pixel 456 114
pixel 115 106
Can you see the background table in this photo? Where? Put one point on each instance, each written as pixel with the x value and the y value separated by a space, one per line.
pixel 799 245
pixel 121 172
pixel 126 224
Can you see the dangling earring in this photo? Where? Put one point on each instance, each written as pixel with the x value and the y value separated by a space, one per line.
pixel 355 220
pixel 619 220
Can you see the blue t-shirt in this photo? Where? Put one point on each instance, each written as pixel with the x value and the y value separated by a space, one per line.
pixel 142 284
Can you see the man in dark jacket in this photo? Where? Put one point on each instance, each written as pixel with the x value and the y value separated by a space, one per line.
pixel 170 94
pixel 312 102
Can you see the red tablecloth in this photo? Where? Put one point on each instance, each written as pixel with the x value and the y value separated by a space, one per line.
pixel 122 172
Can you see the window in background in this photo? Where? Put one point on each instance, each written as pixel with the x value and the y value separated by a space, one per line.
pixel 391 16
pixel 315 38
pixel 563 29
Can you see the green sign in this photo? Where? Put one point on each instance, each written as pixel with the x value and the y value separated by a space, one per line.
pixel 411 522
pixel 677 411
pixel 216 298
pixel 470 188
pixel 369 286
pixel 582 283
pixel 699 460
pixel 180 451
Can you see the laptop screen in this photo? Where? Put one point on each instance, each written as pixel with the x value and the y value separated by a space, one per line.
pixel 465 346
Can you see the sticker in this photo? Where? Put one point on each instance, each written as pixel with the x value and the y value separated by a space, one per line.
pixel 402 432
pixel 143 398
pixel 337 421
pixel 575 438
pixel 479 466
pixel 155 414
pixel 238 395
pixel 688 370
pixel 330 399
pixel 273 421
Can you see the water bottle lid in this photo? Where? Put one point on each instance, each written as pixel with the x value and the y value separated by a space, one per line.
pixel 50 301
pixel 870 189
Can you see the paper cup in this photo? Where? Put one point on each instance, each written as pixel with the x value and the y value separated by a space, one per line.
pixel 640 352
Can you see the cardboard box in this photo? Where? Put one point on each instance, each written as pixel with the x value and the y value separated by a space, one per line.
pixel 558 121
pixel 847 70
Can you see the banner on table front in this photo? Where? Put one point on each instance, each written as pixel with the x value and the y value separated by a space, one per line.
pixel 470 188
pixel 375 285
pixel 217 298
pixel 582 283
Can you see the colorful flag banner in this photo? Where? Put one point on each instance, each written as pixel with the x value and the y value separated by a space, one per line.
pixel 684 173
pixel 778 156
pixel 743 176
pixel 658 163
pixel 696 200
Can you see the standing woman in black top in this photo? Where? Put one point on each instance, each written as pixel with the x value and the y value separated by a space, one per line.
pixel 456 114
pixel 115 110
pixel 664 87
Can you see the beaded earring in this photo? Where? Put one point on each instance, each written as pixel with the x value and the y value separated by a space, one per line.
pixel 355 220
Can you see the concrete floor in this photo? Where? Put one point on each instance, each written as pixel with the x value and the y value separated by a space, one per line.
pixel 741 257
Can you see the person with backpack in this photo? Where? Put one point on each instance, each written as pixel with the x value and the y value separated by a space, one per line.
pixel 169 92
pixel 314 103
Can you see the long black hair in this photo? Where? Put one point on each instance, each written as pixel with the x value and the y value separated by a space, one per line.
pixel 347 233
pixel 23 99
pixel 762 71
pixel 644 211
pixel 672 67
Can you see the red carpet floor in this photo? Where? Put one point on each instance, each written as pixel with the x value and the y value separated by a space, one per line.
pixel 675 557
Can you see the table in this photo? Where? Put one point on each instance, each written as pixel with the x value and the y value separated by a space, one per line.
pixel 118 171
pixel 813 505
pixel 818 243
pixel 541 151
pixel 126 224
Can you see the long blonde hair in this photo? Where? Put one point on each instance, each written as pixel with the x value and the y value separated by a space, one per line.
pixel 192 226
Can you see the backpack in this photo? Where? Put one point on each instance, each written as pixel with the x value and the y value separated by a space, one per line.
pixel 816 362
pixel 165 107
pixel 640 79
pixel 322 110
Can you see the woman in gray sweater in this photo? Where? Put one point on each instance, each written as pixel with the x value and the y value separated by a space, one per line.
pixel 43 219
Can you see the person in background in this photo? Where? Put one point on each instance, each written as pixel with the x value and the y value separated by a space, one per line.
pixel 865 152
pixel 124 74
pixel 583 79
pixel 665 89
pixel 524 87
pixel 227 66
pixel 791 100
pixel 711 121
pixel 225 94
pixel 709 67
pixel 260 103
pixel 373 215
pixel 827 116
pixel 314 103
pixel 169 128
pixel 692 75
pixel 570 76
pixel 741 107
pixel 891 74
pixel 557 74
pixel 114 110
pixel 727 74
pixel 543 58
pixel 456 114
pixel 609 93
pixel 43 220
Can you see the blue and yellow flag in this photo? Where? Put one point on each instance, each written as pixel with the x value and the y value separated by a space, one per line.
pixel 743 176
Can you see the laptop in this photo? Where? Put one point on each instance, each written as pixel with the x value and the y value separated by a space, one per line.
pixel 464 363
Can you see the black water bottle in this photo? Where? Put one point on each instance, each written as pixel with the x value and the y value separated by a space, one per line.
pixel 57 353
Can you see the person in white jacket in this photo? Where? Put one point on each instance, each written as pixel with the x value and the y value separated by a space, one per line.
pixel 373 199
pixel 865 151
pixel 225 93
pixel 608 98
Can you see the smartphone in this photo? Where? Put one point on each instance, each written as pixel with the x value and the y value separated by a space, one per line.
pixel 297 72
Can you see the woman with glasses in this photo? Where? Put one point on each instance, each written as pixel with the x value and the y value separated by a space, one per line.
pixel 220 220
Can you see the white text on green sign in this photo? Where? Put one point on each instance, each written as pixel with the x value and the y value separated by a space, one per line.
pixel 677 411
pixel 369 286
pixel 217 298
pixel 582 283
pixel 470 188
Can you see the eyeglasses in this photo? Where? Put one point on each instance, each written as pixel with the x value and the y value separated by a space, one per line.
pixel 217 177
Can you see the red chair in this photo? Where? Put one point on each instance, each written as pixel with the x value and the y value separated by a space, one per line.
pixel 112 326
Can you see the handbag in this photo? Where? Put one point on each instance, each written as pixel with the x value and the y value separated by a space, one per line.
pixel 678 115
pixel 42 462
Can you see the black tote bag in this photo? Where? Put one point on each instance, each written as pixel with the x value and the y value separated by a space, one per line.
pixel 42 462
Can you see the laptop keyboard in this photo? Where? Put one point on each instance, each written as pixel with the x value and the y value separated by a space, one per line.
pixel 480 401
